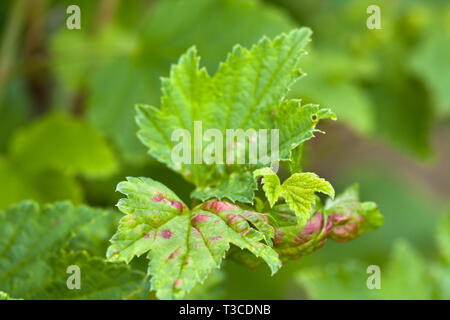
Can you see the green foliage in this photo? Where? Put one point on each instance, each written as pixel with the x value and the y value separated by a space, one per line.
pixel 33 263
pixel 443 238
pixel 265 72
pixel 405 278
pixel 94 237
pixel 429 61
pixel 68 132
pixel 5 296
pixel 76 148
pixel 99 280
pixel 298 190
pixel 332 82
pixel 42 186
pixel 183 246
pixel 237 187
pixel 347 205
pixel 407 275
pixel 379 81
pixel 45 157
pixel 14 110
pixel 337 281
pixel 342 219
pixel 248 91
pixel 270 184
pixel 211 289
pixel 122 65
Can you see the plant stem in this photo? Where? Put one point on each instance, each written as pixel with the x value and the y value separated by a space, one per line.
pixel 8 46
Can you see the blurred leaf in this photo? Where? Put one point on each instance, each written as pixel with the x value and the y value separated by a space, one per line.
pixel 338 281
pixel 443 237
pixel 404 115
pixel 94 236
pixel 30 235
pixel 441 277
pixel 99 280
pixel 347 204
pixel 400 201
pixel 5 296
pixel 58 142
pixel 406 276
pixel 111 107
pixel 211 289
pixel 365 75
pixel 15 110
pixel 430 62
pixel 43 186
pixel 329 82
pixel 86 52
pixel 33 265
pixel 131 61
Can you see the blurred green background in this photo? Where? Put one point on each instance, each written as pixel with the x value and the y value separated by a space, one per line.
pixel 67 127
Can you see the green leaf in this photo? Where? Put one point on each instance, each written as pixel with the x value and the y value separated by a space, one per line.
pixel 443 237
pixel 441 280
pixel 366 76
pixel 99 280
pixel 212 289
pixel 5 296
pixel 34 266
pixel 347 200
pixel 404 113
pixel 15 109
pixel 271 184
pixel 265 72
pixel 30 235
pixel 45 157
pixel 238 187
pixel 149 204
pixel 298 190
pixel 296 123
pixel 407 276
pixel 295 165
pixel 43 186
pixel 346 206
pixel 430 62
pixel 183 247
pixel 343 219
pixel 346 281
pixel 123 67
pixel 330 83
pixel 281 216
pixel 75 149
pixel 94 236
